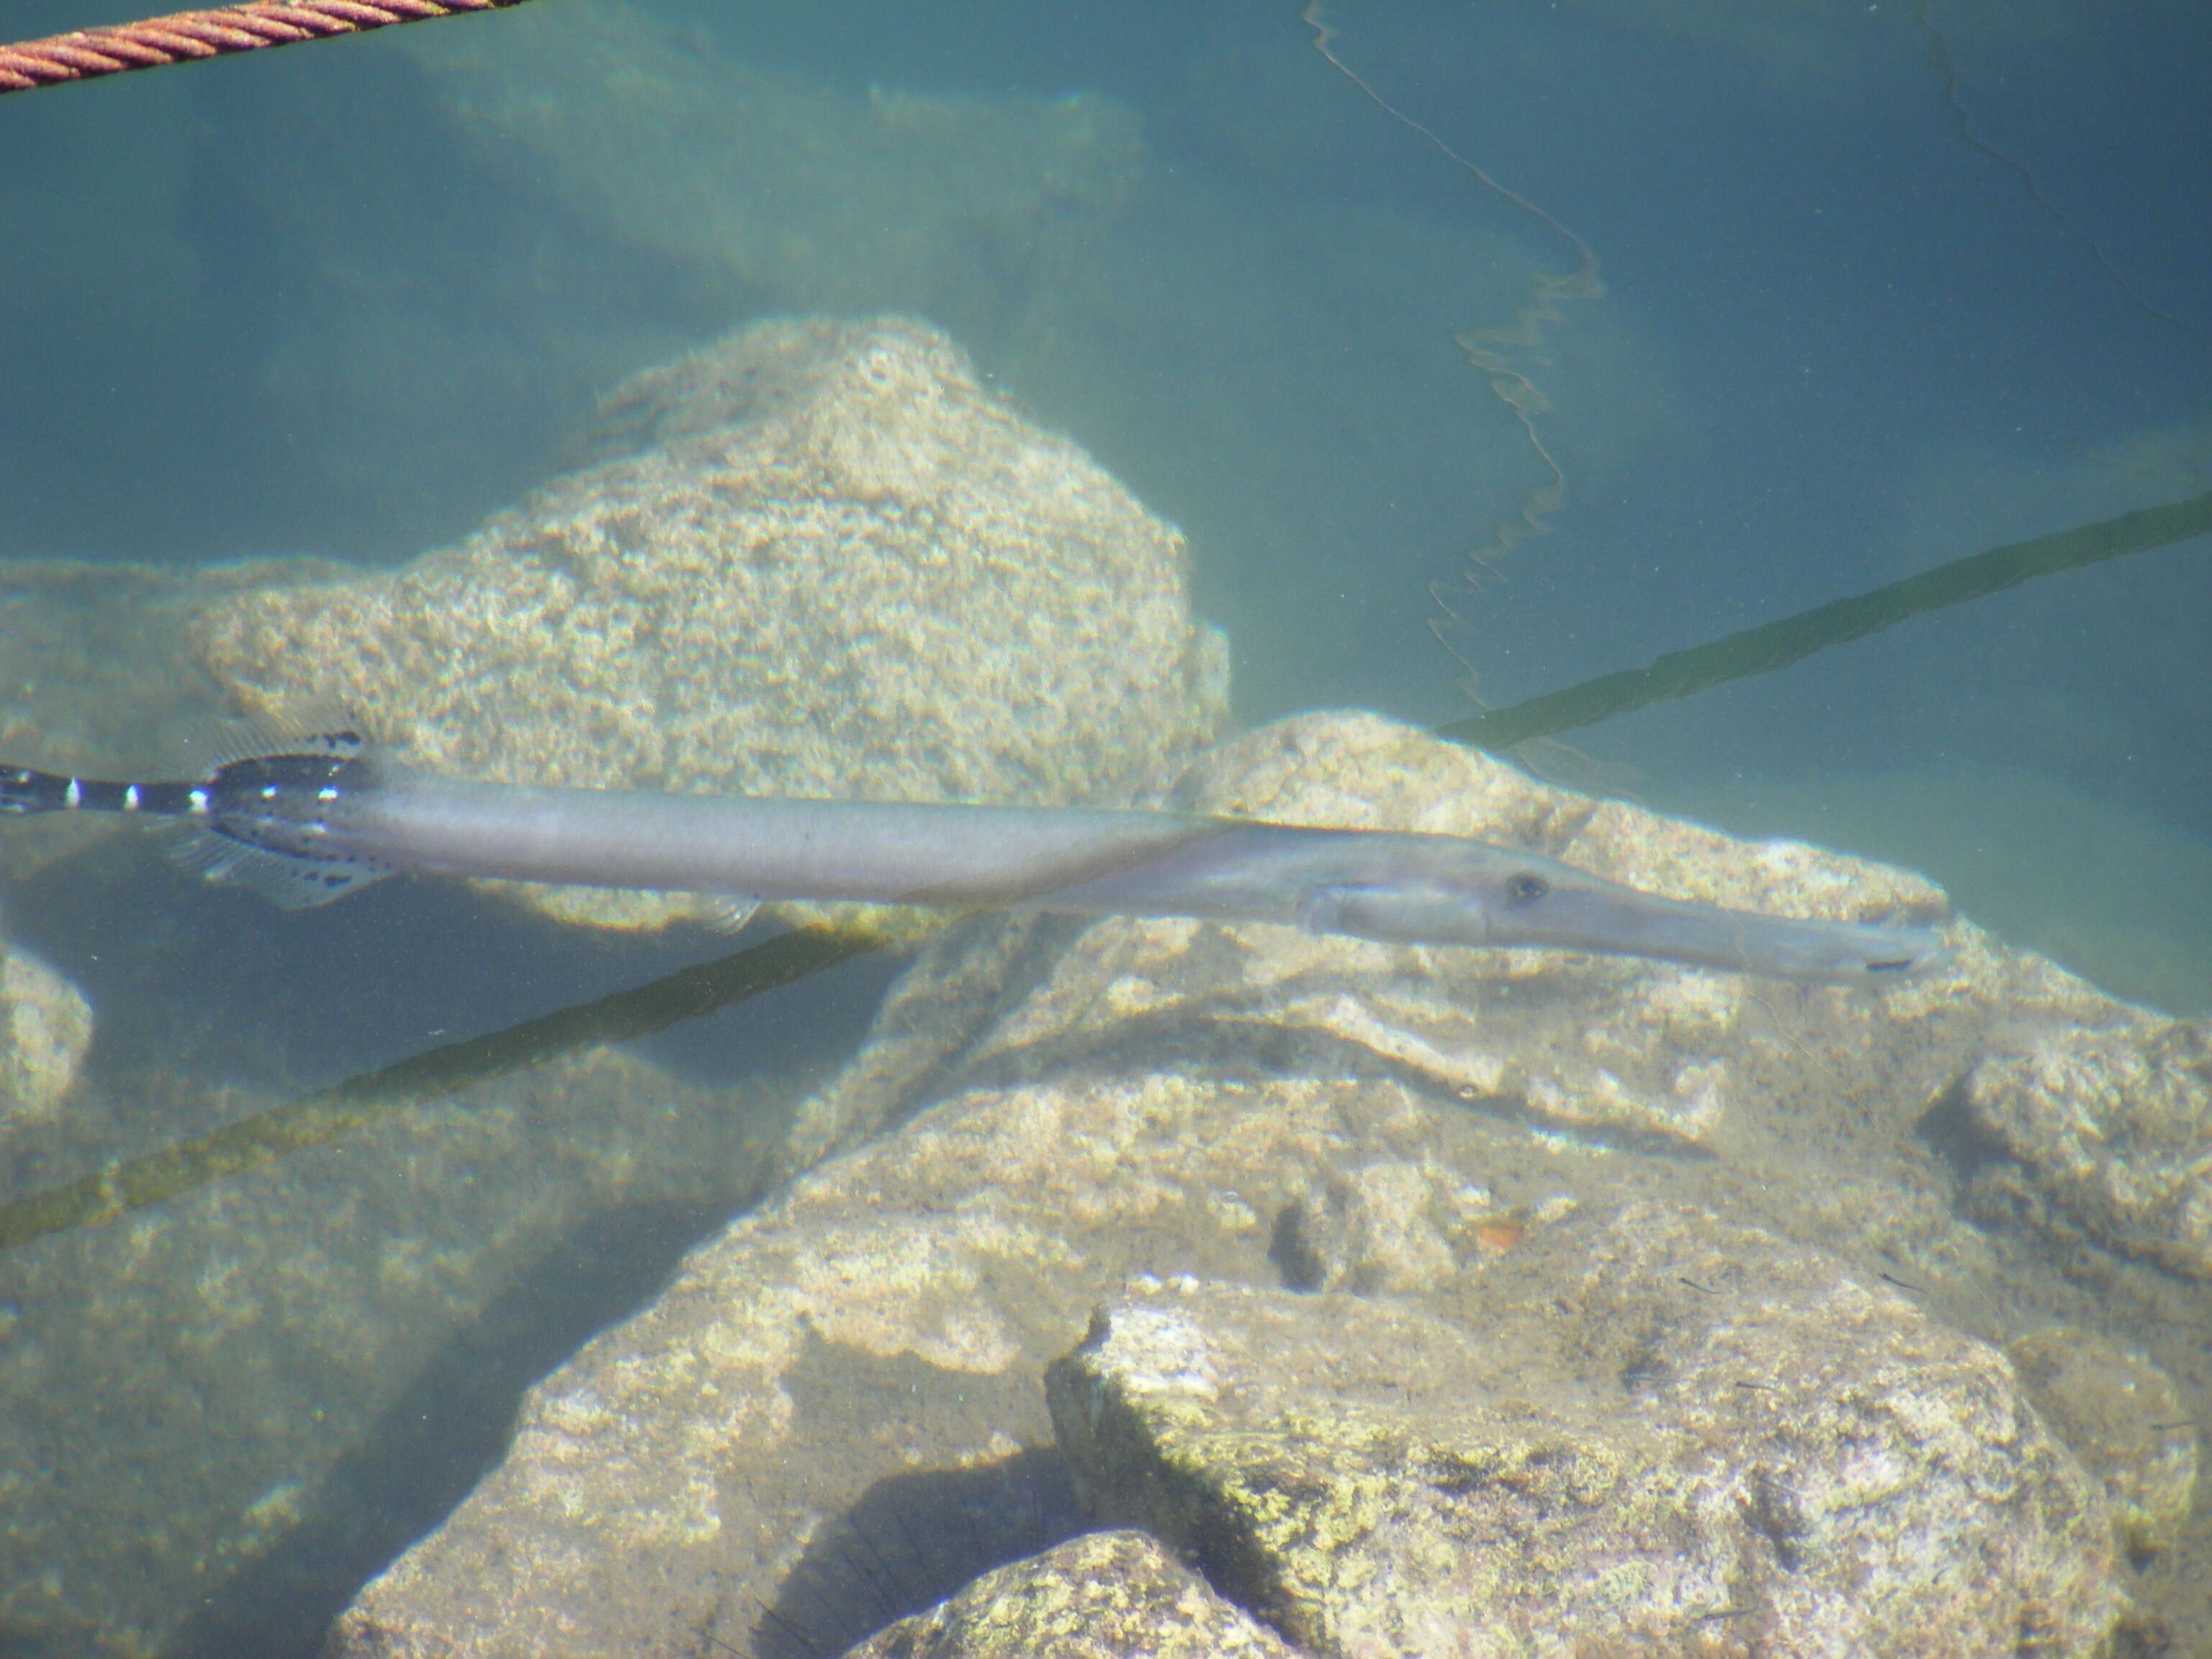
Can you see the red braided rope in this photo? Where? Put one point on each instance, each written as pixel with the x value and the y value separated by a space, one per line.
pixel 84 54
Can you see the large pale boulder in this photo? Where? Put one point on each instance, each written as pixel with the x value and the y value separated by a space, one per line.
pixel 818 558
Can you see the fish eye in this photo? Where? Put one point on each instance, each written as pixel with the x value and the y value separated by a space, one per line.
pixel 1526 887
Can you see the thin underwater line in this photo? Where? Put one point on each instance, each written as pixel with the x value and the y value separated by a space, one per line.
pixel 1788 639
pixel 1485 348
pixel 331 1113
pixel 1941 60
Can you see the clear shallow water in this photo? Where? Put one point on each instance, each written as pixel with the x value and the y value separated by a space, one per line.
pixel 293 303
pixel 1836 342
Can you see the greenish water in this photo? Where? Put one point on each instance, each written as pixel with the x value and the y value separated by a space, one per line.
pixel 347 300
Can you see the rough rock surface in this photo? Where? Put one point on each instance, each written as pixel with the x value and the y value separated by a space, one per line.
pixel 45 1026
pixel 816 559
pixel 1102 1596
pixel 2110 1124
pixel 2123 1418
pixel 1812 1464
pixel 280 1342
pixel 889 1316
pixel 1168 1099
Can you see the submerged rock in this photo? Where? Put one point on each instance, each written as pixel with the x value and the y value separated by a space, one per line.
pixel 214 1404
pixel 46 1027
pixel 1650 1427
pixel 1719 1328
pixel 769 188
pixel 1104 1596
pixel 2111 1124
pixel 2122 1417
pixel 886 1318
pixel 818 558
pixel 96 674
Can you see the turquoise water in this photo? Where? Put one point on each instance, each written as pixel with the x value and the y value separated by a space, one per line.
pixel 1774 312
pixel 1836 342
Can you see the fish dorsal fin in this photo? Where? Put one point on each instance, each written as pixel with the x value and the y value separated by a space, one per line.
pixel 200 747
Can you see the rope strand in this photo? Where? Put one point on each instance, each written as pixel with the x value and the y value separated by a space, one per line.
pixel 86 54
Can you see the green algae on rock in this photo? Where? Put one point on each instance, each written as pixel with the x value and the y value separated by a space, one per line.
pixel 1810 1464
pixel 1103 1596
pixel 818 558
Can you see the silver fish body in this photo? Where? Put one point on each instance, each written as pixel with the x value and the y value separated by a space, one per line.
pixel 308 822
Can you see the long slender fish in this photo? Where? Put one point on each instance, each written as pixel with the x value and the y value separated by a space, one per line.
pixel 306 820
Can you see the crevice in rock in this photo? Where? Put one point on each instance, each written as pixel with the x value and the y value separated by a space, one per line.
pixel 910 1541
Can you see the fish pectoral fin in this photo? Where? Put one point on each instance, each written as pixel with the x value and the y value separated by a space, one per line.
pixel 1330 910
pixel 730 914
pixel 292 881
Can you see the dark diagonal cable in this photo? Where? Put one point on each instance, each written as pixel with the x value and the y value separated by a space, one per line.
pixel 1777 644
pixel 331 1113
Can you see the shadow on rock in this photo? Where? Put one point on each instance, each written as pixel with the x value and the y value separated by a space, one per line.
pixel 420 1460
pixel 910 1541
